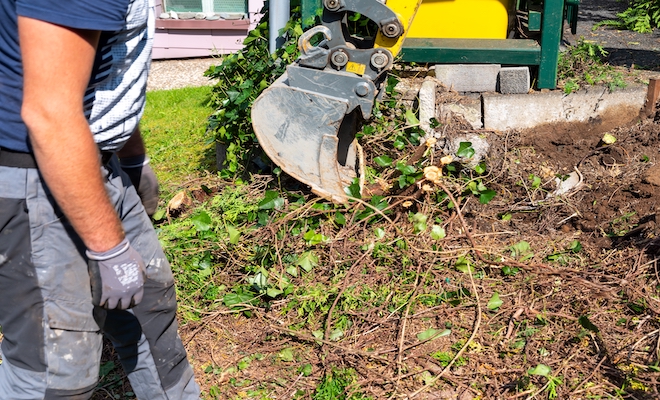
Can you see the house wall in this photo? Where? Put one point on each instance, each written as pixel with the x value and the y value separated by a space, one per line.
pixel 201 38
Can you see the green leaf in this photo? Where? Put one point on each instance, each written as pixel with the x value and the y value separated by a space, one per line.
pixel 576 246
pixel 231 299
pixel 411 118
pixel 438 232
pixel 406 169
pixel 272 292
pixel 465 150
pixel 159 215
pixel 353 190
pixel 432 334
pixel 541 369
pixel 608 138
pixel 587 324
pixel 495 302
pixel 312 238
pixel 521 248
pixel 463 265
pixel 286 355
pixel 383 161
pixel 307 261
pixel 306 370
pixel 234 234
pixel 336 334
pixel 272 200
pixel 486 196
pixel 202 221
pixel 292 270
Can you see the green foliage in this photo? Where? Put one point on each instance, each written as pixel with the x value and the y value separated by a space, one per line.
pixel 641 16
pixel 242 77
pixel 334 386
pixel 174 131
pixel 583 64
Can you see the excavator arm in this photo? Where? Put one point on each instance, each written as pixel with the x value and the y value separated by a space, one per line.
pixel 307 119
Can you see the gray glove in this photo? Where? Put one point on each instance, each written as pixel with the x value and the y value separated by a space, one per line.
pixel 143 179
pixel 117 277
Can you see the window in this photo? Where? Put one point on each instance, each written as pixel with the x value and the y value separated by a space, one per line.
pixel 206 6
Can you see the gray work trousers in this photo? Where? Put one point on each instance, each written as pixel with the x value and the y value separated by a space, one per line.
pixel 52 333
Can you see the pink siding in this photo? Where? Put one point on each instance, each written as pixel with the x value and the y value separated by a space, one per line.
pixel 182 39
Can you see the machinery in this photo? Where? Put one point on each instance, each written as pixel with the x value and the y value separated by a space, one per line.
pixel 306 121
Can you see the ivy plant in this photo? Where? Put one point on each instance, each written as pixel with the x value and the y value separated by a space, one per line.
pixel 242 76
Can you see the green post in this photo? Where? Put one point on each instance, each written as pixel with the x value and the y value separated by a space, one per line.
pixel 553 17
pixel 308 9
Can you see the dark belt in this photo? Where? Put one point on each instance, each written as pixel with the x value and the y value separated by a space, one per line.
pixel 15 159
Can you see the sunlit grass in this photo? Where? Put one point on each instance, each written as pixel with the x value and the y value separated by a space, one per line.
pixel 174 131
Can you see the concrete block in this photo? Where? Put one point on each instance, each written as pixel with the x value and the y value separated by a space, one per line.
pixel 427 105
pixel 468 77
pixel 622 105
pixel 514 80
pixel 521 111
pixel 469 107
pixel 591 105
pixel 582 105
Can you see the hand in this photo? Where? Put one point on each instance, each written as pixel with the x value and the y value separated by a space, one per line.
pixel 117 277
pixel 145 182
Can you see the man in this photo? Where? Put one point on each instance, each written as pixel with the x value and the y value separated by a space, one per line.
pixel 65 206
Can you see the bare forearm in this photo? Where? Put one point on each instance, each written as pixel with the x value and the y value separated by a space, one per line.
pixel 59 133
pixel 72 172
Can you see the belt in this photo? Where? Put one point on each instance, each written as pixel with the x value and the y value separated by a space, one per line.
pixel 16 159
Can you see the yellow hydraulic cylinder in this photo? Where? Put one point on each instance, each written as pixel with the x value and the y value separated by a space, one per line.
pixel 468 19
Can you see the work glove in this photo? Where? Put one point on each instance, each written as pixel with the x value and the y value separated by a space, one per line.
pixel 143 179
pixel 117 277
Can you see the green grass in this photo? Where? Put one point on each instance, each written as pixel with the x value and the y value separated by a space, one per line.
pixel 174 131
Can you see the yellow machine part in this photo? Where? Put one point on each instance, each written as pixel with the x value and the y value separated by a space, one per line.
pixel 468 19
pixel 406 11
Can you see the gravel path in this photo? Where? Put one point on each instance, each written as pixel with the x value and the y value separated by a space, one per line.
pixel 179 73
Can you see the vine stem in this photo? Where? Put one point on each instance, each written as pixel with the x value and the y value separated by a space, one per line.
pixel 477 323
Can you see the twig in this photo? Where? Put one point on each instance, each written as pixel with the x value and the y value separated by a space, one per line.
pixel 402 333
pixel 328 320
pixel 585 380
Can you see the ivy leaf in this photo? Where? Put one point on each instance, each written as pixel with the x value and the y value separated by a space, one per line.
pixel 486 196
pixel 432 334
pixel 292 270
pixel 202 221
pixel 495 302
pixel 307 261
pixel 465 150
pixel 232 299
pixel 383 161
pixel 541 369
pixel 411 118
pixel 587 324
pixel 272 200
pixel 438 232
pixel 234 234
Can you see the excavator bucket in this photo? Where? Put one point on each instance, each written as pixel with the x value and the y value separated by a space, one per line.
pixel 307 119
pixel 309 136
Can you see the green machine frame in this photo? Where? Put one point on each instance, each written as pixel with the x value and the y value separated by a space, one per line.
pixel 543 52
